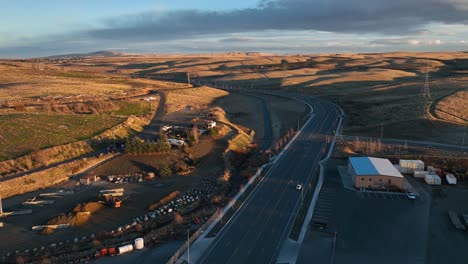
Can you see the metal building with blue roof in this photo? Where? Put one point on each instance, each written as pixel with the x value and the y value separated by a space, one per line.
pixel 374 173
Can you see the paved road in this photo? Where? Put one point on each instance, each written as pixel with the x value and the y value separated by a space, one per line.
pixel 415 143
pixel 152 130
pixel 256 232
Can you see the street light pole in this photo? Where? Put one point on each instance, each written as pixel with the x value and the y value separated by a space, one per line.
pixel 1 206
pixel 463 142
pixel 333 248
pixel 188 246
pixel 302 195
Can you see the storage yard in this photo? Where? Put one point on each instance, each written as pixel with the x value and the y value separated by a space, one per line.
pixel 153 195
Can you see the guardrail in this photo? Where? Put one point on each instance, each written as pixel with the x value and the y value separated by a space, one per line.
pixel 192 238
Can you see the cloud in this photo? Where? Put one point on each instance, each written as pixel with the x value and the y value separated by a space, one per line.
pixel 398 23
pixel 406 41
pixel 237 39
pixel 344 16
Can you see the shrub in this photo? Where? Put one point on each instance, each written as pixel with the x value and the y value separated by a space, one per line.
pixel 165 170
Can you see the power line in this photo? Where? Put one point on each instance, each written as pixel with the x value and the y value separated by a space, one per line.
pixel 426 91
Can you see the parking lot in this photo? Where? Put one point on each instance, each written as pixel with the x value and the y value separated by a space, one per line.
pixel 381 195
pixel 371 227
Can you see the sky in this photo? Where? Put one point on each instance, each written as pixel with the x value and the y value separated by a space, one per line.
pixel 32 28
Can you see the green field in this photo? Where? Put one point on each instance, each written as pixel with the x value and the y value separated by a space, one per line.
pixel 24 133
pixel 133 108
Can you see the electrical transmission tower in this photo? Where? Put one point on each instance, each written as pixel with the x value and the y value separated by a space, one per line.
pixel 426 92
pixel 188 77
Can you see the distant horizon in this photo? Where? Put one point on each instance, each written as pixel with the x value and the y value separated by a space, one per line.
pixel 46 28
pixel 123 53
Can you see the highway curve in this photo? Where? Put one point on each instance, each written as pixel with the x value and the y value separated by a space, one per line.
pixel 256 232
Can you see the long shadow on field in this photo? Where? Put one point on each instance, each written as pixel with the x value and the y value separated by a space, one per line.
pixel 143 166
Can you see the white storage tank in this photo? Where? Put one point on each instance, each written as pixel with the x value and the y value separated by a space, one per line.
pixel 451 178
pixel 420 174
pixel 139 243
pixel 125 249
pixel 409 166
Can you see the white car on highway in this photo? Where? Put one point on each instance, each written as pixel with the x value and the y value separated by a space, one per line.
pixel 299 187
pixel 411 196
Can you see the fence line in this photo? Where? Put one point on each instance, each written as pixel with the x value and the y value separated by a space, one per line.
pixel 192 238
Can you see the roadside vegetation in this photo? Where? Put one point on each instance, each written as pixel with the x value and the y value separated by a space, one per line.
pixel 139 146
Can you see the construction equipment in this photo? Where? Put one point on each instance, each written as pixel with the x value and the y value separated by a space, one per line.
pixel 113 201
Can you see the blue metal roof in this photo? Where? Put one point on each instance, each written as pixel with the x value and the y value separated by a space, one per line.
pixel 363 166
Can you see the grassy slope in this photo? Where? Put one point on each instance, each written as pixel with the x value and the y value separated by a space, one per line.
pixel 371 88
pixel 21 80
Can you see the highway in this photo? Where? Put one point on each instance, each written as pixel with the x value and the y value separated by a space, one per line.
pixel 256 232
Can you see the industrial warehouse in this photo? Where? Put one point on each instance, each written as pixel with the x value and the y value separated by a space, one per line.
pixel 374 173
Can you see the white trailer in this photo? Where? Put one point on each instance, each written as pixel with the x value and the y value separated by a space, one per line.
pixel 450 178
pixel 409 166
pixel 420 174
pixel 433 179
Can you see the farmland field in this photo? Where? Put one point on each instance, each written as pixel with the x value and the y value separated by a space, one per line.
pixel 21 80
pixel 23 133
pixel 132 108
pixel 372 89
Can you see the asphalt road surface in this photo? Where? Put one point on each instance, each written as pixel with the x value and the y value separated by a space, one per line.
pixel 256 232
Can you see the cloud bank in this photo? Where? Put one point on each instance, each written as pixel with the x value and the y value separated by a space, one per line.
pixel 343 16
pixel 401 24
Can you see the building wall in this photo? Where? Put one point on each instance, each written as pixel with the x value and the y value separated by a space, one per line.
pixel 351 172
pixel 374 181
pixel 378 182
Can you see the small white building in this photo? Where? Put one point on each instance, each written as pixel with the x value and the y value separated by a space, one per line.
pixel 166 128
pixel 211 124
pixel 150 98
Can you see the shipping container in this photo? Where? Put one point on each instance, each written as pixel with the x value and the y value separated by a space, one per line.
pixel 450 179
pixel 125 249
pixel 420 174
pixel 433 179
pixel 431 169
pixel 409 166
pixel 428 179
pixel 437 180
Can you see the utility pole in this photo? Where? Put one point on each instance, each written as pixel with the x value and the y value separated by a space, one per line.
pixel 188 245
pixel 381 130
pixel 1 206
pixel 188 77
pixel 463 142
pixel 302 195
pixel 333 249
